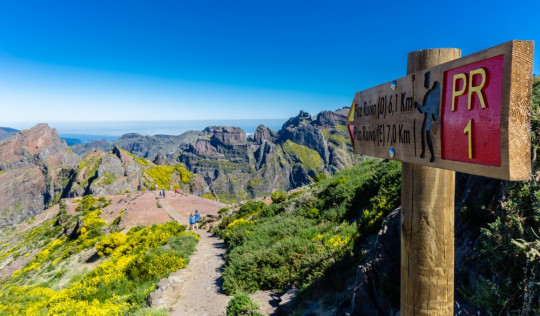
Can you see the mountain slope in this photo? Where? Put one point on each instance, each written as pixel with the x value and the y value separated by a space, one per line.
pixel 34 166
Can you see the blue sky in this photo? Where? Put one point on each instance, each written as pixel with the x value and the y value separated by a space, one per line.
pixel 175 60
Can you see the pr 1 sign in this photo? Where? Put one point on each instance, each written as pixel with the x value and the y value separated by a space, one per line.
pixel 471 112
pixel 469 115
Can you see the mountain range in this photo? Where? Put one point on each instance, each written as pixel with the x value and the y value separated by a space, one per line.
pixel 37 168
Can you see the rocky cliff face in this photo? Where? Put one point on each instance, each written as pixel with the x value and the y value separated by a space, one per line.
pixel 239 167
pixel 35 165
pixel 119 171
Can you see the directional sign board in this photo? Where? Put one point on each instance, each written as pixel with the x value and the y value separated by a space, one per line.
pixel 469 115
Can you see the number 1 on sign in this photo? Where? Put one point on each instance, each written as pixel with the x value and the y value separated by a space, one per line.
pixel 468 131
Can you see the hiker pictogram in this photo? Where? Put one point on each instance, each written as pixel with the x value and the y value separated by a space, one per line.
pixel 430 109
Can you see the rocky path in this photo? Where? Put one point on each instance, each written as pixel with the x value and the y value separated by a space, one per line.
pixel 172 212
pixel 200 292
pixel 195 290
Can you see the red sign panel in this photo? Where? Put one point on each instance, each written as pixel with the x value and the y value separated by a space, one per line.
pixel 471 112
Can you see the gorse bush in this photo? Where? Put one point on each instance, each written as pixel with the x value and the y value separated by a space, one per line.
pixel 279 197
pixel 242 304
pixel 133 264
pixel 109 243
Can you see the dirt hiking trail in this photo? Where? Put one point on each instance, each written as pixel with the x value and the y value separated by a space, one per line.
pixel 200 292
pixel 196 289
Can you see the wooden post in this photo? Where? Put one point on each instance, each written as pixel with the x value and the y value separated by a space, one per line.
pixel 427 222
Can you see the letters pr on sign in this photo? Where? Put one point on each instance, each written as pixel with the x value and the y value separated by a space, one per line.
pixel 469 115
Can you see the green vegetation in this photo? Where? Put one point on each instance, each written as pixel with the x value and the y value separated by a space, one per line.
pixel 306 238
pixel 223 210
pixel 128 267
pixel 512 241
pixel 89 165
pixel 107 178
pixel 307 157
pixel 279 197
pixel 163 175
pixel 242 304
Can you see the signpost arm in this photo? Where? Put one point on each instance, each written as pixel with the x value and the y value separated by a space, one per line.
pixel 427 222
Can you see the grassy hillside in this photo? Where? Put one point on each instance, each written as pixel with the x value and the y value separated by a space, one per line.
pixel 79 264
pixel 310 235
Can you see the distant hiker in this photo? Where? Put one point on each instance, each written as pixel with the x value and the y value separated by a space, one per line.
pixel 214 194
pixel 176 192
pixel 157 187
pixel 163 192
pixel 197 218
pixel 160 193
pixel 430 109
pixel 192 221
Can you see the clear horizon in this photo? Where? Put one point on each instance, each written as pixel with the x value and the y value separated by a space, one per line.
pixel 112 130
pixel 94 61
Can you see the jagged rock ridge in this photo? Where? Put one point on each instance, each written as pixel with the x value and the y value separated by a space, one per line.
pixel 35 165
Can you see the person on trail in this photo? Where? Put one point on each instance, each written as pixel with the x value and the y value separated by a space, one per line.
pixel 163 192
pixel 192 221
pixel 160 193
pixel 156 187
pixel 176 192
pixel 197 218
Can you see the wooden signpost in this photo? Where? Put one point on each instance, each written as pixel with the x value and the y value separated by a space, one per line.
pixel 448 114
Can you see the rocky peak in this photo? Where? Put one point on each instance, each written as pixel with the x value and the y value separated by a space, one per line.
pixel 329 119
pixel 262 134
pixel 229 137
pixel 301 119
pixel 306 135
pixel 35 163
pixel 38 142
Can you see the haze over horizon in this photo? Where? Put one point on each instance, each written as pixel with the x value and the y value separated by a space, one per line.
pixel 130 61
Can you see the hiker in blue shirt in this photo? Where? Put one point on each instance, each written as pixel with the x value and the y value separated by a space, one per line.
pixel 192 221
pixel 197 218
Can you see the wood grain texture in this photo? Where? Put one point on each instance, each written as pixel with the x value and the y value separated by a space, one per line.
pixel 374 131
pixel 519 133
pixel 427 224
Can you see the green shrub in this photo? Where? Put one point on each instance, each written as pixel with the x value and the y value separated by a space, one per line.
pixel 279 197
pixel 223 210
pixel 270 211
pixel 283 250
pixel 242 304
pixel 301 246
pixel 313 213
pixel 249 208
pixel 320 177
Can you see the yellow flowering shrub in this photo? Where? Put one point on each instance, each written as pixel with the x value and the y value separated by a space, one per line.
pixel 112 288
pixel 91 225
pixel 337 242
pixel 238 222
pixel 107 245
